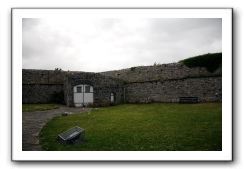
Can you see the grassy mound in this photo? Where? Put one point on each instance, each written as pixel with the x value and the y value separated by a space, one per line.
pixel 141 127
pixel 211 61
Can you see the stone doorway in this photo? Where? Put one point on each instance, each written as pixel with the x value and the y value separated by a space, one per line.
pixel 83 95
pixel 112 98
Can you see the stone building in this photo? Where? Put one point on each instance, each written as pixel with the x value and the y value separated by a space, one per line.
pixel 81 89
pixel 144 84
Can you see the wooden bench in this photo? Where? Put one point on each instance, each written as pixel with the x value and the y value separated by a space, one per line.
pixel 188 100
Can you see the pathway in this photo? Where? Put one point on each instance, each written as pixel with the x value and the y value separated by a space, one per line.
pixel 32 123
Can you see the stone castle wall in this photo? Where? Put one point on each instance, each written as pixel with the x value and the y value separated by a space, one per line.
pixel 47 86
pixel 103 86
pixel 42 86
pixel 168 82
pixel 160 72
pixel 33 76
pixel 159 83
pixel 42 93
pixel 207 89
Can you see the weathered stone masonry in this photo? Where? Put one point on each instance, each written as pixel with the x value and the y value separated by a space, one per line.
pixel 40 93
pixel 44 86
pixel 159 83
pixel 207 89
pixel 168 82
pixel 41 86
pixel 103 86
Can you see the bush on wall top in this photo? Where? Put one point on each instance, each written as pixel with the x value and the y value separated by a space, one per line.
pixel 211 61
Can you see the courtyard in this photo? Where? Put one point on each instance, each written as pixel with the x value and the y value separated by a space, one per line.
pixel 34 117
pixel 137 127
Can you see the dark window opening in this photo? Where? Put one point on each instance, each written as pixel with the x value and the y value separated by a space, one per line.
pixel 78 89
pixel 87 89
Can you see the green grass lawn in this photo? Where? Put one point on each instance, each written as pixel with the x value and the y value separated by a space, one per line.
pixel 142 127
pixel 38 107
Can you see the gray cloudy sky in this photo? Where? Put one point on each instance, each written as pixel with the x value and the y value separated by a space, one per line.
pixel 109 44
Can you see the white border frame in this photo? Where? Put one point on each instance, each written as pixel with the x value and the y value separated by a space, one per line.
pixel 224 155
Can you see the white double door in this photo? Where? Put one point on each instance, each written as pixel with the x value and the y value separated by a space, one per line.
pixel 83 95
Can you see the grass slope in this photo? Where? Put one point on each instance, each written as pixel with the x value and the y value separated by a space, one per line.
pixel 161 127
pixel 211 61
pixel 38 107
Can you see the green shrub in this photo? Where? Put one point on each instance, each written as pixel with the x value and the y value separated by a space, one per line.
pixel 211 61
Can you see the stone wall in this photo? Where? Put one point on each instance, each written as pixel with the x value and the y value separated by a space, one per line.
pixel 159 83
pixel 32 76
pixel 160 72
pixel 42 86
pixel 42 93
pixel 103 86
pixel 207 89
pixel 168 82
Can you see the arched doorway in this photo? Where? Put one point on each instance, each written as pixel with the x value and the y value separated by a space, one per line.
pixel 112 98
pixel 83 95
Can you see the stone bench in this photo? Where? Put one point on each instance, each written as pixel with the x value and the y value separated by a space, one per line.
pixel 188 100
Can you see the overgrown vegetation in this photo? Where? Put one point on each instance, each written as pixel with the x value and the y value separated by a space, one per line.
pixel 133 68
pixel 156 64
pixel 38 107
pixel 211 61
pixel 142 127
